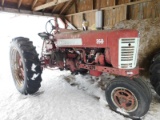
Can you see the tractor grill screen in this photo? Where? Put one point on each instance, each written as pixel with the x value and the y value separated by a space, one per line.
pixel 128 52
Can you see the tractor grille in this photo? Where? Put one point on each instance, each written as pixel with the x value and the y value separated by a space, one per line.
pixel 128 52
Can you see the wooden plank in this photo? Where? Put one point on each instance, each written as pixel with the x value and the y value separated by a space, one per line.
pixel 125 12
pixel 118 2
pixel 75 7
pixel 34 3
pixel 71 10
pixel 91 18
pixel 49 4
pixel 103 3
pixel 54 9
pixel 110 19
pixel 57 9
pixel 77 21
pixel 145 10
pixel 117 15
pixel 92 4
pixel 153 10
pixel 2 2
pixel 83 5
pixel 109 8
pixel 70 25
pixel 107 3
pixel 19 3
pixel 106 18
pixel 140 16
pixel 67 6
pixel 99 4
pixel 113 16
pixel 120 13
pixel 158 9
pixel 69 19
pixel 148 10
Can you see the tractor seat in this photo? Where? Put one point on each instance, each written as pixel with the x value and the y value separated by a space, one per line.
pixel 44 35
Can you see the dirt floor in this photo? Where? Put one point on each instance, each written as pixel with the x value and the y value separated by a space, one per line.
pixel 149 39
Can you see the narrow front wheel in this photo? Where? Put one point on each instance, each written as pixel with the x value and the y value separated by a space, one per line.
pixel 126 95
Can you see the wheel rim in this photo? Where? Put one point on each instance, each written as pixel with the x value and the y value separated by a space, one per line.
pixel 17 67
pixel 123 98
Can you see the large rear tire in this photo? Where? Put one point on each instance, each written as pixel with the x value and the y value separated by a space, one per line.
pixel 127 97
pixel 155 73
pixel 25 66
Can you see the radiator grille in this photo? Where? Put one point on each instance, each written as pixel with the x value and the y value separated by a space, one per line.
pixel 128 52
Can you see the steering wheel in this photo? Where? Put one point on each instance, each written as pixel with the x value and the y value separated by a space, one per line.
pixel 50 26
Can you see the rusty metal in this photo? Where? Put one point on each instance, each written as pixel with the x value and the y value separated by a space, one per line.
pixel 17 67
pixel 125 99
pixel 111 70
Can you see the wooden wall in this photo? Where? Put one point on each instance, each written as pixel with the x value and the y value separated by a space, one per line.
pixel 144 10
pixel 114 11
pixel 114 15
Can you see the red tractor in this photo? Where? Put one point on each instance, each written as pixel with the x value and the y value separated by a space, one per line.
pixel 94 52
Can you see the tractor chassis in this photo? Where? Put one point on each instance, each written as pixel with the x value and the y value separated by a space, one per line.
pixel 115 71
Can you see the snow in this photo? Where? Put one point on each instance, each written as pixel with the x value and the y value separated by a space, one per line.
pixel 33 67
pixel 122 111
pixel 61 96
pixel 34 76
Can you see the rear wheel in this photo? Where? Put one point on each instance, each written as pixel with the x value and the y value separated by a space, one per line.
pixel 127 96
pixel 155 73
pixel 25 66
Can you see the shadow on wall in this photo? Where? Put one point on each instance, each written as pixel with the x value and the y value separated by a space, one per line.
pixel 149 40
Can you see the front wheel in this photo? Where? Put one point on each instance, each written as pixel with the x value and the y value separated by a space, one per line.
pixel 25 66
pixel 127 95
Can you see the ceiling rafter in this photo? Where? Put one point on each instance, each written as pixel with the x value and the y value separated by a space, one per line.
pixel 54 8
pixel 49 4
pixel 34 3
pixel 19 3
pixel 45 8
pixel 28 12
pixel 2 3
pixel 67 6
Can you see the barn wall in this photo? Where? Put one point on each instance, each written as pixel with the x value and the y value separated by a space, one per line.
pixel 114 11
pixel 144 10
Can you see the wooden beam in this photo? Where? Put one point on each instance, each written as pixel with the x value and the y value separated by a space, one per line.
pixel 70 25
pixel 54 9
pixel 76 8
pixel 114 2
pixel 49 4
pixel 2 2
pixel 99 4
pixel 108 8
pixel 28 12
pixel 34 3
pixel 69 4
pixel 92 4
pixel 19 3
